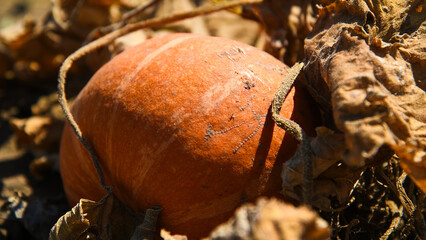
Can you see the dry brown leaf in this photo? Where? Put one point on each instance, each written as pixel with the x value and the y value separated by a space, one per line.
pixel 38 132
pixel 415 166
pixel 364 63
pixel 36 49
pixel 332 180
pixel 75 223
pixel 273 219
pixel 36 216
pixel 193 25
pixel 47 105
pixel 44 165
pixel 127 41
pixel 287 24
pixel 232 26
pixel 74 14
pixel 106 219
pixel 167 236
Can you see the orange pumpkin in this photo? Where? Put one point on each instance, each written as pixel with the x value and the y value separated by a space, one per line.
pixel 182 121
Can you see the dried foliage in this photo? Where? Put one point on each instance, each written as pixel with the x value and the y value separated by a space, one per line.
pixel 359 64
pixel 103 219
pixel 384 204
pixel 364 65
pixel 34 50
pixel 37 216
pixel 272 219
pixel 331 179
pixel 286 23
pixel 38 132
pixel 167 236
pixel 106 219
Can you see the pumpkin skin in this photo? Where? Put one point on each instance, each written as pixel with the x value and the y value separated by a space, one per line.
pixel 182 122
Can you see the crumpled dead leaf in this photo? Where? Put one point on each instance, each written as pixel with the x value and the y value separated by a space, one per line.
pixel 36 49
pixel 193 25
pixel 364 64
pixel 106 219
pixel 273 219
pixel 332 180
pixel 38 132
pixel 41 132
pixel 287 23
pixel 44 165
pixel 47 105
pixel 167 236
pixel 36 215
pixel 229 25
pixel 416 169
pixel 73 14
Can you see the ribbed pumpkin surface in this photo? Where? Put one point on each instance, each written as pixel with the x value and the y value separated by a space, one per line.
pixel 182 122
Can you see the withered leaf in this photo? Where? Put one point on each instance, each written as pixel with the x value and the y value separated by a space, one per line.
pixel 331 178
pixel 415 166
pixel 273 219
pixel 106 219
pixel 75 224
pixel 167 236
pixel 37 216
pixel 364 61
pixel 42 166
pixel 287 24
pixel 34 50
pixel 194 25
pixel 38 132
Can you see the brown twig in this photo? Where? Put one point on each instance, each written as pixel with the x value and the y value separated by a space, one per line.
pixel 415 216
pixel 396 221
pixel 138 10
pixel 351 224
pixel 103 41
pixel 402 195
pixel 398 190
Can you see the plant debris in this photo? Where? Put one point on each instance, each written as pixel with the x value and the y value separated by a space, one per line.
pixel 364 65
pixel 357 63
pixel 272 219
pixel 358 70
pixel 106 219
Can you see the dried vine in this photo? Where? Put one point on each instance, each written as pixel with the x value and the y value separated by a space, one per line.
pixel 294 129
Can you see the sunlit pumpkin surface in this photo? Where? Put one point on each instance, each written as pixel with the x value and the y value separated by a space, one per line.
pixel 182 122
